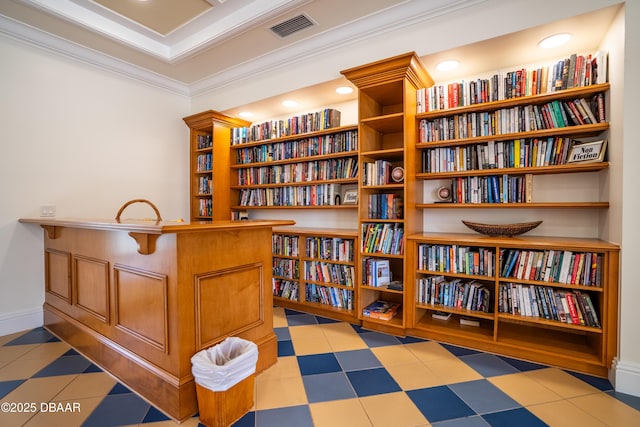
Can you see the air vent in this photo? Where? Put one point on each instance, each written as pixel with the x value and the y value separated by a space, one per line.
pixel 292 25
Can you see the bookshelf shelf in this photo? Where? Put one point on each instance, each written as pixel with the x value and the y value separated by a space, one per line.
pixel 540 170
pixel 524 315
pixel 533 205
pixel 244 208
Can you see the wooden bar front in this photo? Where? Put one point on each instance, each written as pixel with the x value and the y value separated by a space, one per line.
pixel 141 298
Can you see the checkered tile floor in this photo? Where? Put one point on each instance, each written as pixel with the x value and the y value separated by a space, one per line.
pixel 328 374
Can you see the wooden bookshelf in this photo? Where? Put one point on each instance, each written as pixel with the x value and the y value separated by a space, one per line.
pixel 306 282
pixel 386 115
pixel 529 335
pixel 209 137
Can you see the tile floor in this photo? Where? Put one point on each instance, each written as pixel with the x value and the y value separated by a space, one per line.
pixel 328 374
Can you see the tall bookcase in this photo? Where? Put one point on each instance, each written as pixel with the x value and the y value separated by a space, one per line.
pixel 386 127
pixel 209 173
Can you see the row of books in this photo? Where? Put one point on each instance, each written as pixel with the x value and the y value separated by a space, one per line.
pixel 204 162
pixel 381 310
pixel 575 268
pixel 303 195
pixel 285 289
pixel 284 244
pixel 377 173
pixel 327 272
pixel 286 268
pixel 456 259
pixel 456 293
pixel 573 307
pixel 383 238
pixel 204 185
pixel 518 153
pixel 204 141
pixel 343 168
pixel 376 272
pixel 205 207
pixel 574 71
pixel 505 121
pixel 304 123
pixel 340 298
pixel 492 189
pixel 385 206
pixel 342 142
pixel 330 248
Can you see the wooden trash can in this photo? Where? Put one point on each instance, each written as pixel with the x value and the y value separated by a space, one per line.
pixel 223 408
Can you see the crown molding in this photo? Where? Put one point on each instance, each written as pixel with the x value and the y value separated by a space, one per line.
pixel 34 37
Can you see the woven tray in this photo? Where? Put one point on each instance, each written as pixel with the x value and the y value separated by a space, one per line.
pixel 505 230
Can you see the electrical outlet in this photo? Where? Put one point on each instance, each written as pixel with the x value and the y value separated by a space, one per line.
pixel 48 210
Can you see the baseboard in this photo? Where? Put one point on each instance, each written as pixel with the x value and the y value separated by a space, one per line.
pixel 627 377
pixel 18 321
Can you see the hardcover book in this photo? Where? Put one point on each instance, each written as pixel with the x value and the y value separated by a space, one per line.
pixel 383 310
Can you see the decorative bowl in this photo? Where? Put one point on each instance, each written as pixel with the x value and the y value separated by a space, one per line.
pixel 505 230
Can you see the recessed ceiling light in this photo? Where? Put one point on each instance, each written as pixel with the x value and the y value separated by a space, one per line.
pixel 448 65
pixel 289 103
pixel 554 40
pixel 343 90
pixel 245 114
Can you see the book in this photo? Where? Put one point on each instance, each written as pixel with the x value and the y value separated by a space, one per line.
pixel 469 322
pixel 396 285
pixel 383 310
pixel 440 315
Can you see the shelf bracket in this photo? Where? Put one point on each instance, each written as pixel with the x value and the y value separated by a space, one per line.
pixel 51 231
pixel 146 242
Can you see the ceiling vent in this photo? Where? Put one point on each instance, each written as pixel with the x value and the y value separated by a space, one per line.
pixel 292 25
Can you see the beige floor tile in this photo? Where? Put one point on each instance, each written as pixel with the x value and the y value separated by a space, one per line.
pixel 191 422
pixel 8 338
pixel 67 419
pixel 607 409
pixel 564 384
pixel 285 367
pixel 309 339
pixel 22 369
pixel 13 352
pixel 280 392
pixel 342 337
pixel 339 413
pixel 524 389
pixel 47 351
pixel 562 414
pixel 96 384
pixel 428 351
pixel 279 318
pixel 414 376
pixel 453 371
pixel 394 355
pixel 393 409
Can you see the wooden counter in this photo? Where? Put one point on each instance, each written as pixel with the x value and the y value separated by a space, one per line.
pixel 139 298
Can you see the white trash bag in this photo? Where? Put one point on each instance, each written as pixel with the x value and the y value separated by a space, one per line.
pixel 222 366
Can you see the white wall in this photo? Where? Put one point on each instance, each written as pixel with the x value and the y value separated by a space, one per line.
pixel 86 141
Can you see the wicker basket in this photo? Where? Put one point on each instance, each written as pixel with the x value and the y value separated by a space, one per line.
pixel 504 230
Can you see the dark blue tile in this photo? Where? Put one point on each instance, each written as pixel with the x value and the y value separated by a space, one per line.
pixel 488 365
pixel 473 421
pixel 326 387
pixel 321 319
pixel 483 397
pixel 64 365
pixel 119 388
pixel 439 404
pixel 285 348
pixel 282 334
pixel 154 415
pixel 34 336
pixel 117 410
pixel 289 312
pixel 459 351
pixel 248 420
pixel 92 368
pixel 357 359
pixel 377 339
pixel 7 387
pixel 71 352
pixel 302 319
pixel 292 416
pixel 516 417
pixel 522 365
pixel 601 384
pixel 633 401
pixel 368 382
pixel 358 329
pixel 318 364
pixel 410 340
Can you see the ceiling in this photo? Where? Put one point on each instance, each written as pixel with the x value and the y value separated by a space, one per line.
pixel 192 45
